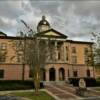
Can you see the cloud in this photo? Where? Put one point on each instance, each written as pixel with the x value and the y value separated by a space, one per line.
pixel 75 18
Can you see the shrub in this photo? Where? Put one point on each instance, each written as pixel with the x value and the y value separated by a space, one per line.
pixel 17 84
pixel 89 81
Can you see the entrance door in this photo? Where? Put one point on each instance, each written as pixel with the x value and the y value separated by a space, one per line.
pixel 61 74
pixel 52 74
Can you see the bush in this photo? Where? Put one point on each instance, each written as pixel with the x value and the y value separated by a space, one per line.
pixel 17 85
pixel 98 81
pixel 89 81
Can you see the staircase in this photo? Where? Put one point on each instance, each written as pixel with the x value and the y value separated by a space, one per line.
pixel 55 83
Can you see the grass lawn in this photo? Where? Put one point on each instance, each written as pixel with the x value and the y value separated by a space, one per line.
pixel 32 96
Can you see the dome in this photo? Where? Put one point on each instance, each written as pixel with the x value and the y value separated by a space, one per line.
pixel 43 22
pixel 43 25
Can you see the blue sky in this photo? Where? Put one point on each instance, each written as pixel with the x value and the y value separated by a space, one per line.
pixel 75 18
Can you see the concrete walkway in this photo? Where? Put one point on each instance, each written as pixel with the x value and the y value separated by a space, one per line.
pixel 62 92
pixel 66 92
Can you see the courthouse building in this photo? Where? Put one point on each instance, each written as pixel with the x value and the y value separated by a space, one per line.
pixel 72 57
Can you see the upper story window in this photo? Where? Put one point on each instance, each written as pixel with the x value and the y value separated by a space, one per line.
pixel 59 57
pixel 3 46
pixel 73 50
pixel 67 53
pixel 86 55
pixel 2 58
pixel 85 51
pixel 74 59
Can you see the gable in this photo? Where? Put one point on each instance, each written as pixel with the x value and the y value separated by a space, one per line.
pixel 52 33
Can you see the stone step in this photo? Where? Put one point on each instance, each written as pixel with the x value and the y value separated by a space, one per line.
pixel 55 83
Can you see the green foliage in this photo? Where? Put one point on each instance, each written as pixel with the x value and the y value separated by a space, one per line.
pixel 96 40
pixel 89 81
pixel 15 85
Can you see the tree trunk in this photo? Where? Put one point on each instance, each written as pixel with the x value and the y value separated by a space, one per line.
pixel 37 81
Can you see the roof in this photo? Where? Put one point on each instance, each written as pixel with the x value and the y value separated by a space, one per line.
pixel 79 42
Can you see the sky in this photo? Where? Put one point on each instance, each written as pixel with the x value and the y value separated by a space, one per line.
pixel 74 18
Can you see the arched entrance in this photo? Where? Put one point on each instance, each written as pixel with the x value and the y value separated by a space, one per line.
pixel 43 77
pixel 61 74
pixel 52 74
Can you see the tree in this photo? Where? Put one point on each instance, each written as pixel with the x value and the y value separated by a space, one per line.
pixel 36 52
pixel 96 46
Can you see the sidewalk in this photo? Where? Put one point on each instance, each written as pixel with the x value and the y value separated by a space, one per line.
pixel 7 92
pixel 62 93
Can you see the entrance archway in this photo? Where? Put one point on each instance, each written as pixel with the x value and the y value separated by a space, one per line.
pixel 61 74
pixel 52 74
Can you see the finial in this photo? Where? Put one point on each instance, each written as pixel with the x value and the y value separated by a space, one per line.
pixel 43 17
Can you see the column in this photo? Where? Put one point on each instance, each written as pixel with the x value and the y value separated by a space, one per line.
pixel 47 50
pixel 64 52
pixel 56 51
pixel 47 74
pixel 57 75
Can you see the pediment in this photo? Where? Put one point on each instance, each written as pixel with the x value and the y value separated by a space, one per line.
pixel 52 33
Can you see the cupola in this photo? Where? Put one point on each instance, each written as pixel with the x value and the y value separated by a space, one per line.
pixel 43 25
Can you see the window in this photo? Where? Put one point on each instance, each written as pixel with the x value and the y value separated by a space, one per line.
pixel 1 73
pixel 67 53
pixel 20 58
pixel 73 50
pixel 85 51
pixel 2 58
pixel 86 55
pixel 58 55
pixel 75 74
pixel 88 73
pixel 74 59
pixel 30 73
pixel 3 46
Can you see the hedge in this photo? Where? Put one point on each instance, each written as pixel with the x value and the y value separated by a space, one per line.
pixel 89 81
pixel 17 85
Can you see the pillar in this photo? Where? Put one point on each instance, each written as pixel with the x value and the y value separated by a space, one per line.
pixel 56 51
pixel 65 54
pixel 57 75
pixel 47 74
